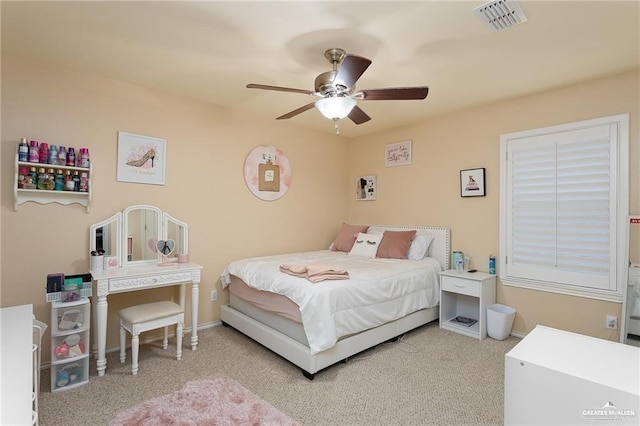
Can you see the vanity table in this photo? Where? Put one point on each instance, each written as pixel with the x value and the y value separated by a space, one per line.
pixel 131 237
pixel 119 280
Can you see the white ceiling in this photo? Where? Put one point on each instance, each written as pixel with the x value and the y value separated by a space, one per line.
pixel 211 50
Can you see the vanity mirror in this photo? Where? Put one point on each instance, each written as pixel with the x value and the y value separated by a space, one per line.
pixel 142 229
pixel 132 236
pixel 105 236
pixel 177 231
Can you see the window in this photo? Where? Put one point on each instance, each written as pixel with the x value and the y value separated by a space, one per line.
pixel 564 200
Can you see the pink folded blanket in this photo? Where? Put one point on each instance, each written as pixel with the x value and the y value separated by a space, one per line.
pixel 315 273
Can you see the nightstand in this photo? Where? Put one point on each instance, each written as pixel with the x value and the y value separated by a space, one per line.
pixel 464 294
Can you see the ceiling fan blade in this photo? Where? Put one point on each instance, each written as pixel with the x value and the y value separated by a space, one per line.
pixel 280 89
pixel 297 111
pixel 351 68
pixel 392 93
pixel 358 116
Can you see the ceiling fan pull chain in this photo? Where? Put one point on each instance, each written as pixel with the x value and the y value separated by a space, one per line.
pixel 335 123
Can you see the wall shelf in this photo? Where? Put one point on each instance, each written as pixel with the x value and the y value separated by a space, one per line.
pixel 42 196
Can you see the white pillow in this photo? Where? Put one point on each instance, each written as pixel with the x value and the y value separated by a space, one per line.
pixel 376 230
pixel 420 246
pixel 366 245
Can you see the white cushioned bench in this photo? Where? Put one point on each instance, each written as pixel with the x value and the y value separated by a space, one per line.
pixel 150 316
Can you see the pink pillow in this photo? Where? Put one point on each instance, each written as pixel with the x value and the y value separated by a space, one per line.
pixel 395 244
pixel 347 236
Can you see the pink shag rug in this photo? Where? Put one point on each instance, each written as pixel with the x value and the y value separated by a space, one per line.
pixel 216 400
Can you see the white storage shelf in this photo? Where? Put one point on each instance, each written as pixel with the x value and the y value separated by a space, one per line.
pixel 473 330
pixel 42 196
pixel 70 346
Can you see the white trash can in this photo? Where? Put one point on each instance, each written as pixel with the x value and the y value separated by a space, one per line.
pixel 499 321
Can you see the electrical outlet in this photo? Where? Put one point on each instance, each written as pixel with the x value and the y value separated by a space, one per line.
pixel 214 295
pixel 612 322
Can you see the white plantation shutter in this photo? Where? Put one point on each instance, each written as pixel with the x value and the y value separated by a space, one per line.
pixel 559 208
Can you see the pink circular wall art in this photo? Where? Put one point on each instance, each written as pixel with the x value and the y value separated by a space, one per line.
pixel 267 172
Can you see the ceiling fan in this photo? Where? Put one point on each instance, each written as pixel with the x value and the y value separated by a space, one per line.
pixel 337 90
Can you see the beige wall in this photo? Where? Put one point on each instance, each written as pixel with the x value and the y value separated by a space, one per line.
pixel 427 192
pixel 206 147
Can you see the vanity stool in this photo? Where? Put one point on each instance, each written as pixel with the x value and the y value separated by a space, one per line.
pixel 150 316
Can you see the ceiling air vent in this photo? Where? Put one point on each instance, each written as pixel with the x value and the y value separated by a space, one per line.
pixel 501 14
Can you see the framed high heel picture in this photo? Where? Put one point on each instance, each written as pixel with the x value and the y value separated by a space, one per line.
pixel 141 159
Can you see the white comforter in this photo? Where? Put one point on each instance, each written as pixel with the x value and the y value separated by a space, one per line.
pixel 378 290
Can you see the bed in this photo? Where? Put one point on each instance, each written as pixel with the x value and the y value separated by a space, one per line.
pixel 317 324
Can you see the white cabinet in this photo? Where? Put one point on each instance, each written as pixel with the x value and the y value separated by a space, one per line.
pixel 43 196
pixel 16 368
pixel 70 323
pixel 466 294
pixel 555 377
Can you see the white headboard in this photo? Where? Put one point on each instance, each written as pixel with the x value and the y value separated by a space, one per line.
pixel 439 248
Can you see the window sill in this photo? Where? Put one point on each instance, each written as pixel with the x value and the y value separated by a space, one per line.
pixel 609 296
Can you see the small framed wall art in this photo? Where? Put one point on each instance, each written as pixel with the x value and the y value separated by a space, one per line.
pixel 141 159
pixel 472 183
pixel 397 154
pixel 366 188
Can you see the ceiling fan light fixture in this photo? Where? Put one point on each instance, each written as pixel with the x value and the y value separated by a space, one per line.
pixel 335 108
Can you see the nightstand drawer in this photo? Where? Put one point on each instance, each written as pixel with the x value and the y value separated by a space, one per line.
pixel 461 286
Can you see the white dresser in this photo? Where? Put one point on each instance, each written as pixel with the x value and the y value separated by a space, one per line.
pixel 555 377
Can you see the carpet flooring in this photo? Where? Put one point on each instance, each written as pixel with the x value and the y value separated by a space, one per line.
pixel 428 377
